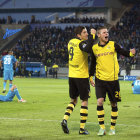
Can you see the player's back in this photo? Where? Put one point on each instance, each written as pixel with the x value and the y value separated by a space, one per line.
pixel 8 61
pixel 78 60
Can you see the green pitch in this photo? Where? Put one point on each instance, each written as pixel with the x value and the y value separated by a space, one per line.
pixel 40 117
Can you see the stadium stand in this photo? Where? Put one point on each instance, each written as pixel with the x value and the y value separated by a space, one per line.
pixel 127 32
pixel 50 30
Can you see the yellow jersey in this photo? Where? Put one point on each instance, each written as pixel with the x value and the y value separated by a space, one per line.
pixel 78 60
pixel 105 60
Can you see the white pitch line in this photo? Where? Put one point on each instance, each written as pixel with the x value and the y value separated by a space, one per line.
pixel 20 119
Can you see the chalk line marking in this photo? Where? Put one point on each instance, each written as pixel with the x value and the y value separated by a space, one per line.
pixel 21 119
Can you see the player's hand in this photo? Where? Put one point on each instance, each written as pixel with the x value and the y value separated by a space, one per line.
pixel 133 51
pixel 92 31
pixel 92 83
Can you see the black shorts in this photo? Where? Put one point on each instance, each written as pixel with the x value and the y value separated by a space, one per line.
pixel 79 87
pixel 110 87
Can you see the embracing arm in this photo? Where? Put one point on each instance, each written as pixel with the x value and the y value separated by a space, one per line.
pixel 92 69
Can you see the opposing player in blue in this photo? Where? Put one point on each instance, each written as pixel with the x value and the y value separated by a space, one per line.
pixel 11 94
pixel 136 86
pixel 8 61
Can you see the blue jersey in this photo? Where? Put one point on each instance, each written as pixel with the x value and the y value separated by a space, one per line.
pixel 8 61
pixel 136 87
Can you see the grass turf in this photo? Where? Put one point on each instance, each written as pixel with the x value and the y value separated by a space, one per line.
pixel 40 117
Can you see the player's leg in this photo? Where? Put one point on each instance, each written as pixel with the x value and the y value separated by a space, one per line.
pixel 71 105
pixel 10 79
pixel 114 97
pixel 84 90
pixel 100 95
pixel 2 98
pixel 69 110
pixel 83 117
pixel 100 114
pixel 114 115
pixel 4 86
pixel 5 77
pixel 14 91
pixel 10 84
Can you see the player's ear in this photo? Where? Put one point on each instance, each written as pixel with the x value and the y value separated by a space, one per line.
pixel 98 34
pixel 78 35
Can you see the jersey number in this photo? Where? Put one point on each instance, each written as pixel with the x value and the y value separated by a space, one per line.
pixel 7 60
pixel 117 95
pixel 71 53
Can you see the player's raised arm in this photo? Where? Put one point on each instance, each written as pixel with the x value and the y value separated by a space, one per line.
pixel 86 45
pixel 124 52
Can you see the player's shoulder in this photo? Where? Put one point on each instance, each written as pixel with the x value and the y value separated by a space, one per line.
pixel 116 44
pixel 75 40
pixel 111 41
pixel 3 57
pixel 12 56
pixel 95 45
pixel 7 55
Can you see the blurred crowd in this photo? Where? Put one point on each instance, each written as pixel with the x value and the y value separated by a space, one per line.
pixel 3 21
pixel 83 20
pixel 127 33
pixel 49 44
pixel 13 21
pixel 62 20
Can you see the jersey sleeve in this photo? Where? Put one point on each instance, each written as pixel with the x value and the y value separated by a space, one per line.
pixel 86 46
pixel 14 59
pixel 121 51
pixel 92 66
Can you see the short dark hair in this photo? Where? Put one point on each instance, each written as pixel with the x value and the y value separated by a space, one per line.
pixel 100 28
pixel 79 29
